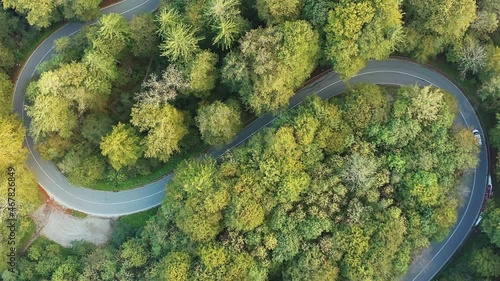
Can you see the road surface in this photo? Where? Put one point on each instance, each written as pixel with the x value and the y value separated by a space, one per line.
pixel 112 204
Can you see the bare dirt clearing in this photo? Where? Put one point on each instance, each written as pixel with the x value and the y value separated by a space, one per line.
pixel 57 224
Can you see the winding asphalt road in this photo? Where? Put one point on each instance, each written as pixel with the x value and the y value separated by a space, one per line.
pixel 393 71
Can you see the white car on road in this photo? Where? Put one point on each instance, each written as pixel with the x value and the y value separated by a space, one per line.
pixel 476 134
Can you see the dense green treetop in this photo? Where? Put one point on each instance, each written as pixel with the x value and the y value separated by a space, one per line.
pixel 165 127
pixel 225 20
pixel 449 18
pixel 300 210
pixel 203 51
pixel 486 263
pixel 432 25
pixel 113 35
pixel 11 27
pixel 316 12
pixel 491 225
pixel 180 41
pixel 43 13
pixel 359 31
pixel 218 123
pixel 276 11
pixel 343 189
pixel 82 166
pixel 122 146
pixel 142 34
pixel 489 91
pixel 271 64
pixel 13 156
pixel 6 89
pixel 51 114
pixel 203 74
pixel 11 139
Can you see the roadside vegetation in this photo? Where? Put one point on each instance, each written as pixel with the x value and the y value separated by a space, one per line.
pixel 20 33
pixel 479 258
pixel 17 182
pixel 122 103
pixel 475 65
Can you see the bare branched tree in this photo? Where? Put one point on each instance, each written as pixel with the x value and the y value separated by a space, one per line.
pixel 473 56
pixel 160 91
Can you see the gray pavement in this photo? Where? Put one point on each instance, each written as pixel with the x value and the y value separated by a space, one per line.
pixel 393 71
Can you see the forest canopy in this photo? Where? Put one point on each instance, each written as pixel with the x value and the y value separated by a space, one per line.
pixel 316 195
pixel 173 77
pixel 346 188
pixel 343 189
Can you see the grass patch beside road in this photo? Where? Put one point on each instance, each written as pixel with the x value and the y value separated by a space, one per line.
pixel 138 220
pixel 131 226
pixel 78 214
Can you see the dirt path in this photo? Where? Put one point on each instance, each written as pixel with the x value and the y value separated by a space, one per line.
pixel 55 223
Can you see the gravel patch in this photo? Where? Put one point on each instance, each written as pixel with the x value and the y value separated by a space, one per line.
pixel 58 225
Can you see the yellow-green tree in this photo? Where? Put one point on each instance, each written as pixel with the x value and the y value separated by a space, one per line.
pixel 50 113
pixel 165 127
pixel 180 41
pixel 218 123
pixel 113 35
pixel 225 20
pixel 203 74
pixel 276 11
pixel 271 64
pixel 122 146
pixel 432 25
pixel 359 31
